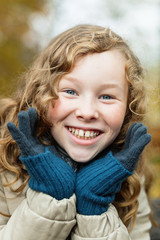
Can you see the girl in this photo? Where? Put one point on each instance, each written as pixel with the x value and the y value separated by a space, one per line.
pixel 69 161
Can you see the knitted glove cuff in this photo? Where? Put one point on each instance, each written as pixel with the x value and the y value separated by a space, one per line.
pixel 97 184
pixel 50 174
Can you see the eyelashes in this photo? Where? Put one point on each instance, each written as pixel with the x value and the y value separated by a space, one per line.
pixel 70 92
pixel 104 97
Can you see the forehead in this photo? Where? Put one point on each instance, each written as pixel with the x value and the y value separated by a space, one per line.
pixel 114 55
pixel 98 69
pixel 108 62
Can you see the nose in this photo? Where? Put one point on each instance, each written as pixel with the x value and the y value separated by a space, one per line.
pixel 87 110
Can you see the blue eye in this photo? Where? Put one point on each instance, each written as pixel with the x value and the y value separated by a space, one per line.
pixel 71 92
pixel 106 97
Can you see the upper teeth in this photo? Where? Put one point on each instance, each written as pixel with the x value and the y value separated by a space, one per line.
pixel 83 133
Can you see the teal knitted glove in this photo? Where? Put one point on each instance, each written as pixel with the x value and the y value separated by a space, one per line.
pixel 25 135
pixel 99 181
pixel 136 140
pixel 48 173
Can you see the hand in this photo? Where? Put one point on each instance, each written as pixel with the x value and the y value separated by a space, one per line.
pixel 48 173
pixel 25 135
pixel 136 140
pixel 99 181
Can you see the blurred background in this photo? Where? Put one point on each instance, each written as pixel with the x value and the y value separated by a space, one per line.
pixel 26 27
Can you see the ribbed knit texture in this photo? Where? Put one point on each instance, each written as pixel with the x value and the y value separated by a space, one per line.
pixel 97 183
pixel 50 174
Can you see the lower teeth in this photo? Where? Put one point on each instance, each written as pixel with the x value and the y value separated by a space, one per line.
pixel 84 137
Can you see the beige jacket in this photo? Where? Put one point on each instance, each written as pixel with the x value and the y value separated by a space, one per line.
pixel 37 216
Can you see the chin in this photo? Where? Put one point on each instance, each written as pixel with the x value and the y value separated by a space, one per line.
pixel 81 157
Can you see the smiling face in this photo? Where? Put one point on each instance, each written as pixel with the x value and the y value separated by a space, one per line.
pixel 90 110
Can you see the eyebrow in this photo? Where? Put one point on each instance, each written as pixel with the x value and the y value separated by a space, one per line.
pixel 70 78
pixel 111 85
pixel 105 85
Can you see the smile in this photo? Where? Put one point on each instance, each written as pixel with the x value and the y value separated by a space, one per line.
pixel 84 134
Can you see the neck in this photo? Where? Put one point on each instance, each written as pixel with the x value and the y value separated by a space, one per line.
pixel 60 152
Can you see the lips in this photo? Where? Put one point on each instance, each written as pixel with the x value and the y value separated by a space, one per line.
pixel 84 133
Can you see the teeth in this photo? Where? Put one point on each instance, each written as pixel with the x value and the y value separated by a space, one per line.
pixel 92 134
pixel 73 130
pixel 87 134
pixel 76 132
pixel 83 134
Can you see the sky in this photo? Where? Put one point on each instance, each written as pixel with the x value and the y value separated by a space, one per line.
pixel 137 21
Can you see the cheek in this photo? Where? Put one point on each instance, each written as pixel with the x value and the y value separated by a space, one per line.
pixel 119 118
pixel 57 110
pixel 54 110
pixel 116 118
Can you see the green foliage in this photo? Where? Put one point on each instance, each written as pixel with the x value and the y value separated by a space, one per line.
pixel 15 52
